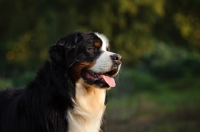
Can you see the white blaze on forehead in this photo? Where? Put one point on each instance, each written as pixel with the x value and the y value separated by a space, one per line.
pixel 105 41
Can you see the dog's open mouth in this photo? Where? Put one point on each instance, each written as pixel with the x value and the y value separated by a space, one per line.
pixel 103 80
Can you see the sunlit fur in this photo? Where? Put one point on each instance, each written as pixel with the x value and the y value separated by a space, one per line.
pixel 89 102
pixel 88 109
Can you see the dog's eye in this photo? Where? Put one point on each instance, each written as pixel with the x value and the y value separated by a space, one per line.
pixel 91 49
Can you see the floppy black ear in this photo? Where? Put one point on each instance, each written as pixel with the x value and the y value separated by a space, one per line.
pixel 64 50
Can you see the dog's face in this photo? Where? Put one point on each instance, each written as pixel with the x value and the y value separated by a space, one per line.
pixel 86 56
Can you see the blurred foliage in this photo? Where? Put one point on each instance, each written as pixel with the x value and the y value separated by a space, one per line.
pixel 22 80
pixel 158 86
pixel 29 27
pixel 4 83
pixel 170 62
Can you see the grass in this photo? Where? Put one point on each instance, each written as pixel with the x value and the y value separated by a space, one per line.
pixel 167 111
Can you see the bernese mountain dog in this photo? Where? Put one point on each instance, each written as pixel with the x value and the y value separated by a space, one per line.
pixel 68 93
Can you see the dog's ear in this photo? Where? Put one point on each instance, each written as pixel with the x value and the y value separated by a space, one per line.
pixel 64 50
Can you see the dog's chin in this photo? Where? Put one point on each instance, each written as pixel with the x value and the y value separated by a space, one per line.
pixel 100 80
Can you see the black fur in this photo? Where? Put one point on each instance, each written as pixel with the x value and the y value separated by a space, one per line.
pixel 42 105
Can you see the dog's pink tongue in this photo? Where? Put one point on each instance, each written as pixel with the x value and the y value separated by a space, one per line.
pixel 109 80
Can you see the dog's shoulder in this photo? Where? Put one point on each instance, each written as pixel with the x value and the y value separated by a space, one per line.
pixel 10 93
pixel 7 95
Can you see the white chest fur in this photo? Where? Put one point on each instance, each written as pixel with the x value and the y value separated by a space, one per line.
pixel 88 110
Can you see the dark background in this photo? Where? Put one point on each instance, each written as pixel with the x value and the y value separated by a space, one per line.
pixel 158 88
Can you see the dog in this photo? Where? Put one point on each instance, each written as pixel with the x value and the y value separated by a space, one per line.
pixel 68 93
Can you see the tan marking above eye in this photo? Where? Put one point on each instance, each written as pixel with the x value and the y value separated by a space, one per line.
pixel 97 44
pixel 108 47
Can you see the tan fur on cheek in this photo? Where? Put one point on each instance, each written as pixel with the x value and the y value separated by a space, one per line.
pixel 75 71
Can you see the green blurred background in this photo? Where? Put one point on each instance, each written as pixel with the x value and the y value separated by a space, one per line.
pixel 159 85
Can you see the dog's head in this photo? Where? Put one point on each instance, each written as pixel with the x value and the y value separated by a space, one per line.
pixel 87 56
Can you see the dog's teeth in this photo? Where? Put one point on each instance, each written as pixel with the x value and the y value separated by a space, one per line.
pixel 94 74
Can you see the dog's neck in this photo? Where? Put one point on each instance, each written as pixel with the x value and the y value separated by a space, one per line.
pixel 88 109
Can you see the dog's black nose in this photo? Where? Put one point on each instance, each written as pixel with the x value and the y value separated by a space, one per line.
pixel 116 58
